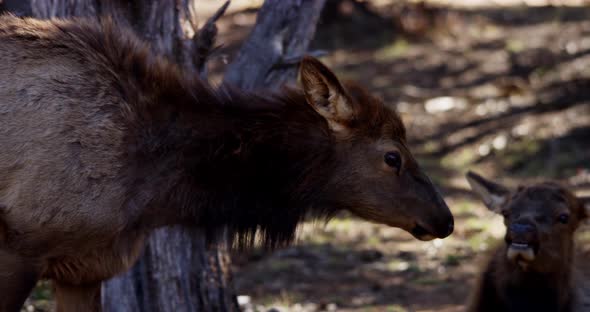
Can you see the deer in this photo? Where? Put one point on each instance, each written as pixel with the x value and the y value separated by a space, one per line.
pixel 538 266
pixel 102 142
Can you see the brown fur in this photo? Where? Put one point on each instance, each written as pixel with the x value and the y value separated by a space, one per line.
pixel 549 282
pixel 101 142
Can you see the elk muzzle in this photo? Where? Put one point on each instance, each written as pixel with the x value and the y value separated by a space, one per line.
pixel 436 221
pixel 523 242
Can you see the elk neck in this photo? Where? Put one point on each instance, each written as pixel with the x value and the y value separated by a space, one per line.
pixel 228 160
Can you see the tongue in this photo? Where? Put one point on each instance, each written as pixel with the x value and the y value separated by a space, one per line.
pixel 524 251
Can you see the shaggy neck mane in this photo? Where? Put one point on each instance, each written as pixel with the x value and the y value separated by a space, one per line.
pixel 228 160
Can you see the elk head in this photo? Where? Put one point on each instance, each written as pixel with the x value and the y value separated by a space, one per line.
pixel 540 220
pixel 376 177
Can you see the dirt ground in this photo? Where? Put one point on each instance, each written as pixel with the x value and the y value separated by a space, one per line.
pixel 502 90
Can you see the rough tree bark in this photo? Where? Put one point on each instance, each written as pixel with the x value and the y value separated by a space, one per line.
pixel 279 39
pixel 177 271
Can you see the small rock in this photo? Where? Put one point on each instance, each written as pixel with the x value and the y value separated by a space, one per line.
pixel 500 142
pixel 244 300
pixel 406 255
pixel 370 255
pixel 443 104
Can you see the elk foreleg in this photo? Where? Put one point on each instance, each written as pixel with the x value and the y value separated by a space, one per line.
pixel 18 276
pixel 71 298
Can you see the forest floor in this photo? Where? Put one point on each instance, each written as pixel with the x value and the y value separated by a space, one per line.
pixel 503 91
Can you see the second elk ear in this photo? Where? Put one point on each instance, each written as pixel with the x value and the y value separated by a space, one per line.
pixel 326 94
pixel 493 195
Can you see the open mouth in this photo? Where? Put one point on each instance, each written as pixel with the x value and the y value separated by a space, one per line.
pixel 521 252
pixel 421 233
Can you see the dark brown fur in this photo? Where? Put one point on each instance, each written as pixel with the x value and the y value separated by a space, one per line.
pixel 101 142
pixel 549 282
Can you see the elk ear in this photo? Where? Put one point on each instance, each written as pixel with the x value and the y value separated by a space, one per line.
pixel 585 200
pixel 493 195
pixel 325 94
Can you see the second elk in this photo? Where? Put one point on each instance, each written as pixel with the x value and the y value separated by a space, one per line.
pixel 539 267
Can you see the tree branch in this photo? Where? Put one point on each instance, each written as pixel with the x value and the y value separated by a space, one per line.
pixel 282 34
pixel 295 59
pixel 204 40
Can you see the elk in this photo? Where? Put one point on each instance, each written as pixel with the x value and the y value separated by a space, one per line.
pixel 101 142
pixel 538 268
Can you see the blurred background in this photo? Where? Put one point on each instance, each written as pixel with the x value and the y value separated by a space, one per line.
pixel 501 87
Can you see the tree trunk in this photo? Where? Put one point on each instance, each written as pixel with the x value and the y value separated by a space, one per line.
pixel 277 43
pixel 177 271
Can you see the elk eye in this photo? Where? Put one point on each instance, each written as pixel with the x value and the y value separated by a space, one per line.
pixel 563 218
pixel 393 160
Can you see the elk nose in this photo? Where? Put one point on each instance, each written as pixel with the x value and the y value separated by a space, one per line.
pixel 521 228
pixel 451 228
pixel 445 228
